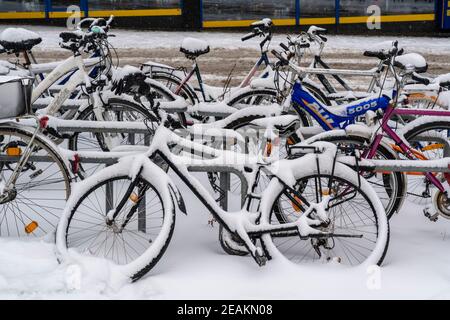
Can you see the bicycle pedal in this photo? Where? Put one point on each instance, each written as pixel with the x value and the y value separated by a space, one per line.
pixel 432 217
pixel 36 173
pixel 260 259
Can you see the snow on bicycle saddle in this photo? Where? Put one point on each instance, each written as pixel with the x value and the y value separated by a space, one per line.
pixel 19 39
pixel 266 23
pixel 193 47
pixel 16 96
pixel 412 59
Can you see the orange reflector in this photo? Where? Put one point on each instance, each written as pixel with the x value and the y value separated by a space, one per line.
pixel 13 151
pixel 290 141
pixel 31 227
pixel 433 147
pixel 294 205
pixel 269 149
pixel 134 197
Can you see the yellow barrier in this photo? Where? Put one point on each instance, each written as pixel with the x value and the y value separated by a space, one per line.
pixel 94 13
pixel 393 18
pixel 326 20
pixel 135 13
pixel 22 15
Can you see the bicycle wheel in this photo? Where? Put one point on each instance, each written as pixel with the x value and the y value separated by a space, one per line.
pixel 354 211
pixel 430 139
pixel 116 110
pixel 138 236
pixel 172 83
pixel 390 187
pixel 33 207
pixel 162 93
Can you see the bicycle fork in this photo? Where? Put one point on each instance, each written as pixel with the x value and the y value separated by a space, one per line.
pixel 9 191
pixel 129 195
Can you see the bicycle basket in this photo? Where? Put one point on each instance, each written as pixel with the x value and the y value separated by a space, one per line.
pixel 15 96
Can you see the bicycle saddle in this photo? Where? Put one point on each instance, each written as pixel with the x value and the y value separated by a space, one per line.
pixel 193 47
pixel 285 124
pixel 411 59
pixel 16 40
pixel 264 23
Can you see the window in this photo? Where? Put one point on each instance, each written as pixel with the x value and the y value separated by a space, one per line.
pixel 247 9
pixel 132 4
pixel 359 7
pixel 22 5
pixel 317 8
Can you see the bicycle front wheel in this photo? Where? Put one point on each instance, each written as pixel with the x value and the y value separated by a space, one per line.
pixel 136 238
pixel 358 224
pixel 34 205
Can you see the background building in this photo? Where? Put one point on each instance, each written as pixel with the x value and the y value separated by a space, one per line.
pixel 421 14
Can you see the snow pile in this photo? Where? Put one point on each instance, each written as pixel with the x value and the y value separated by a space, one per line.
pixel 195 267
pixel 443 78
pixel 412 59
pixel 232 40
pixel 194 46
pixel 29 269
pixel 120 73
pixel 444 99
pixel 19 35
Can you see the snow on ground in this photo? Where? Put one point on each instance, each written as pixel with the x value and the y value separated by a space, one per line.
pixel 232 40
pixel 195 267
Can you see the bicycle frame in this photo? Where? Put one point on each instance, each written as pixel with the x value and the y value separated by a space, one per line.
pixel 79 77
pixel 375 77
pixel 244 224
pixel 342 115
pixel 263 59
pixel 319 63
pixel 405 148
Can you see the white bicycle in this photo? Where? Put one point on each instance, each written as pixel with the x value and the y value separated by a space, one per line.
pixel 314 210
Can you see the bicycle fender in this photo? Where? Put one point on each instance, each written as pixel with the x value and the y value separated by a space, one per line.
pixel 177 195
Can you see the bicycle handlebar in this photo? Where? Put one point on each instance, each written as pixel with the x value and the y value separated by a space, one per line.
pixel 419 79
pixel 250 35
pixel 285 47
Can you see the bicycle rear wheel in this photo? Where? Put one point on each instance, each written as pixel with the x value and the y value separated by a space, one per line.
pixel 41 190
pixel 431 141
pixel 116 110
pixel 354 211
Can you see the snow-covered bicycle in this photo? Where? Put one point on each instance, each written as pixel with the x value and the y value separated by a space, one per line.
pixel 310 212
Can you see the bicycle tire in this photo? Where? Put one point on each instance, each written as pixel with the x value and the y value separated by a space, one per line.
pixel 144 262
pixel 33 200
pixel 395 204
pixel 342 174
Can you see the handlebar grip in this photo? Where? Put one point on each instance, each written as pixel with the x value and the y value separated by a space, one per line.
pixel 420 79
pixel 322 37
pixel 285 47
pixel 280 57
pixel 249 36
